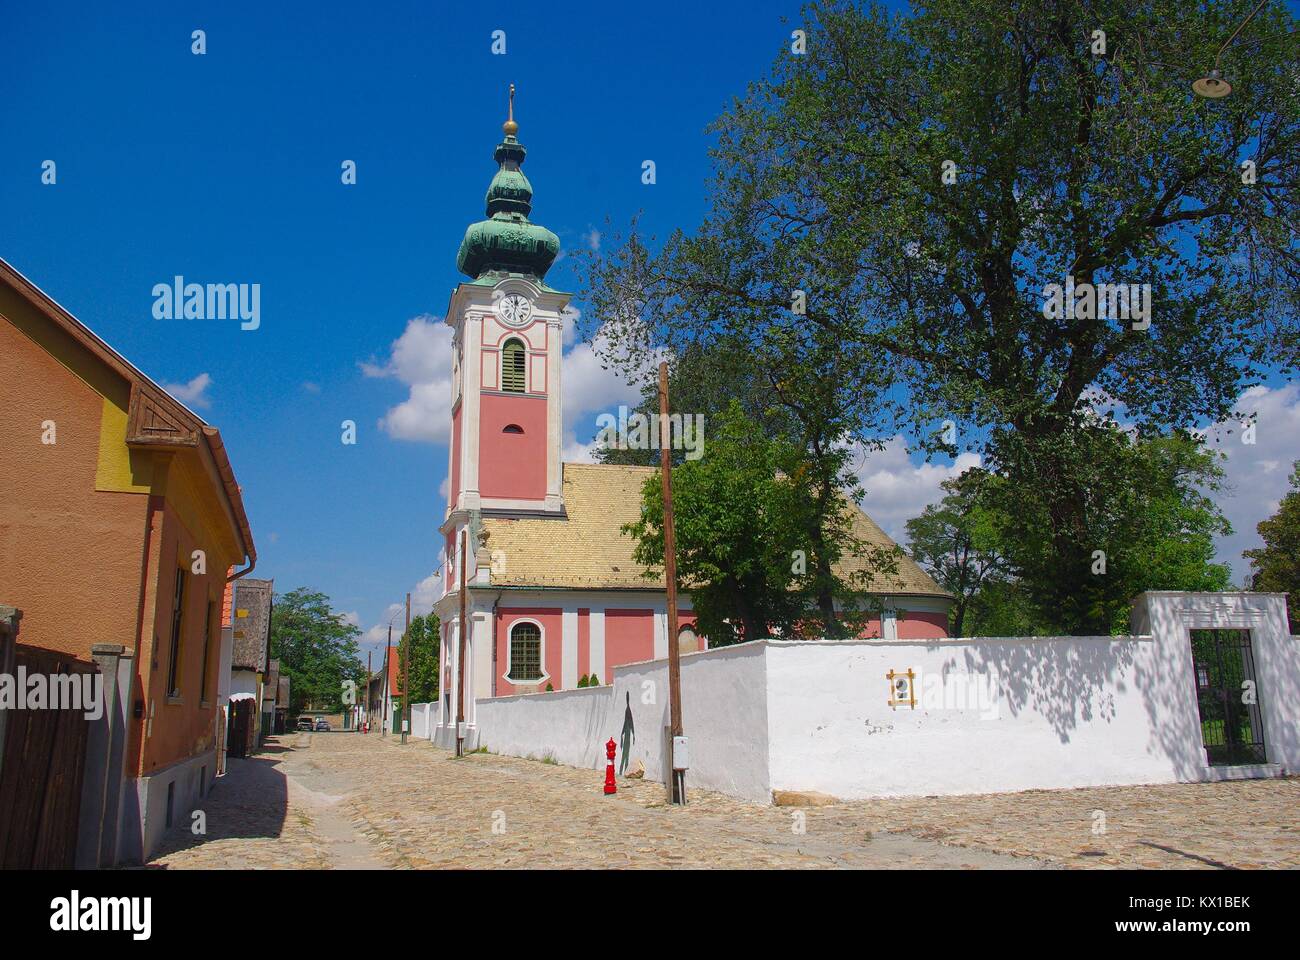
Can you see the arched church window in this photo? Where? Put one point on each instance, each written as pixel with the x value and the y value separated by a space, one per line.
pixel 525 652
pixel 513 358
pixel 512 428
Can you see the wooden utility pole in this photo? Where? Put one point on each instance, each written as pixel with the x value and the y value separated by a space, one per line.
pixel 383 700
pixel 677 790
pixel 366 698
pixel 460 653
pixel 406 672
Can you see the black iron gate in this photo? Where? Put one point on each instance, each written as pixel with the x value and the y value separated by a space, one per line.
pixel 1227 695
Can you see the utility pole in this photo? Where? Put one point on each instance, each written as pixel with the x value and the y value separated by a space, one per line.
pixel 677 790
pixel 383 701
pixel 366 715
pixel 406 672
pixel 460 653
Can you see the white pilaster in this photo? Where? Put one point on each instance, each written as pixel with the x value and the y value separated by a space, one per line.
pixel 482 685
pixel 661 634
pixel 596 636
pixel 569 648
pixel 472 339
pixel 554 412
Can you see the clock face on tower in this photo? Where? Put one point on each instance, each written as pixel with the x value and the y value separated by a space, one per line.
pixel 514 310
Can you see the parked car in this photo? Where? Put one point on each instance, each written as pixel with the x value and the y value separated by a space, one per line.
pixel 322 726
pixel 305 723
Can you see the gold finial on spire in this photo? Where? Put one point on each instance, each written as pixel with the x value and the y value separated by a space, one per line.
pixel 510 127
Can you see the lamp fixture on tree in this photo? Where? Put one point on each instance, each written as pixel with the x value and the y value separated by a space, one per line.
pixel 1213 86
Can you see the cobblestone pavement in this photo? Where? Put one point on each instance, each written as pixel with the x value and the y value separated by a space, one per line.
pixel 352 800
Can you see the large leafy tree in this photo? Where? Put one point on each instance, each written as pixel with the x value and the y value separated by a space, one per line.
pixel 424 640
pixel 788 378
pixel 316 647
pixel 1151 524
pixel 704 380
pixel 924 179
pixel 1275 566
pixel 758 552
pixel 988 542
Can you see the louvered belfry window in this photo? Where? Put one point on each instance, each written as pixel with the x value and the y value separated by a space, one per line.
pixel 513 358
pixel 525 652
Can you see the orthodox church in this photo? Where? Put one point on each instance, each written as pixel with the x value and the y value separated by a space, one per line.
pixel 554 594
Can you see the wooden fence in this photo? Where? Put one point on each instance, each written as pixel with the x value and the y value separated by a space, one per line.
pixel 42 761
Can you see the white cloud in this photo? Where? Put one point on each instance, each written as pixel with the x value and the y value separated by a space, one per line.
pixel 424 416
pixel 352 617
pixel 589 389
pixel 592 237
pixel 421 359
pixel 575 451
pixel 310 387
pixel 1258 473
pixel 194 393
pixel 898 489
pixel 423 595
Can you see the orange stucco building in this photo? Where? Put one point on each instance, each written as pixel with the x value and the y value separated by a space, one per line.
pixel 120 518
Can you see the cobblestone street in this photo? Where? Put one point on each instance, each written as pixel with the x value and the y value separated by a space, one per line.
pixel 349 800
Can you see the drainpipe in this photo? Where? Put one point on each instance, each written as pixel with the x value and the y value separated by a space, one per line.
pixel 242 573
pixel 495 604
pixel 221 740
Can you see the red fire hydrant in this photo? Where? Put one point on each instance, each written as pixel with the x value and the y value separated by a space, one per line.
pixel 609 767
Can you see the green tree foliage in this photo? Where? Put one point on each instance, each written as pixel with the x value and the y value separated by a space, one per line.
pixel 956 541
pixel 989 541
pixel 316 647
pixel 705 380
pixel 923 179
pixel 1275 567
pixel 1149 525
pixel 755 548
pixel 425 642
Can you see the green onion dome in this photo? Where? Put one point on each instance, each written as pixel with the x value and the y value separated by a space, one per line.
pixel 506 242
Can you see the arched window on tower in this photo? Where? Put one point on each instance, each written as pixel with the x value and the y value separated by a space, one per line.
pixel 525 652
pixel 513 359
pixel 512 428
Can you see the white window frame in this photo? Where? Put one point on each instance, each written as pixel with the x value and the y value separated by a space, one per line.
pixel 541 656
pixel 501 365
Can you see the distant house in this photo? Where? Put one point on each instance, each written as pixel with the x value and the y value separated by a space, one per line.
pixel 282 706
pixel 382 702
pixel 120 519
pixel 270 691
pixel 250 660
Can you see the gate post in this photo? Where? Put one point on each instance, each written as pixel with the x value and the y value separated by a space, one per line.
pixel 1170 617
pixel 9 617
pixel 97 834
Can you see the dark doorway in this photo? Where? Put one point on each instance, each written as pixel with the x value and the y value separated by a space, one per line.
pixel 1227 696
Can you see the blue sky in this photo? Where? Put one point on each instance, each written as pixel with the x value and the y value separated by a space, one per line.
pixel 226 168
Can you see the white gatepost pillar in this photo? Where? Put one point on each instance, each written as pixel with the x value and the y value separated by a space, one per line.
pixel 1169 617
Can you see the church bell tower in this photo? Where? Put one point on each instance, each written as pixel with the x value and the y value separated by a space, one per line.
pixel 506 401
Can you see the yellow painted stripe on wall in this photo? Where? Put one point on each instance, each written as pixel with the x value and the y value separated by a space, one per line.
pixel 117 471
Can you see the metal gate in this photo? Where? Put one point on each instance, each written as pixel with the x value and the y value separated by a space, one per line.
pixel 239 740
pixel 44 762
pixel 1227 696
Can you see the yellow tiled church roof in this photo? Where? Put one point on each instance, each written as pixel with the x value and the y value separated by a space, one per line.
pixel 588 550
